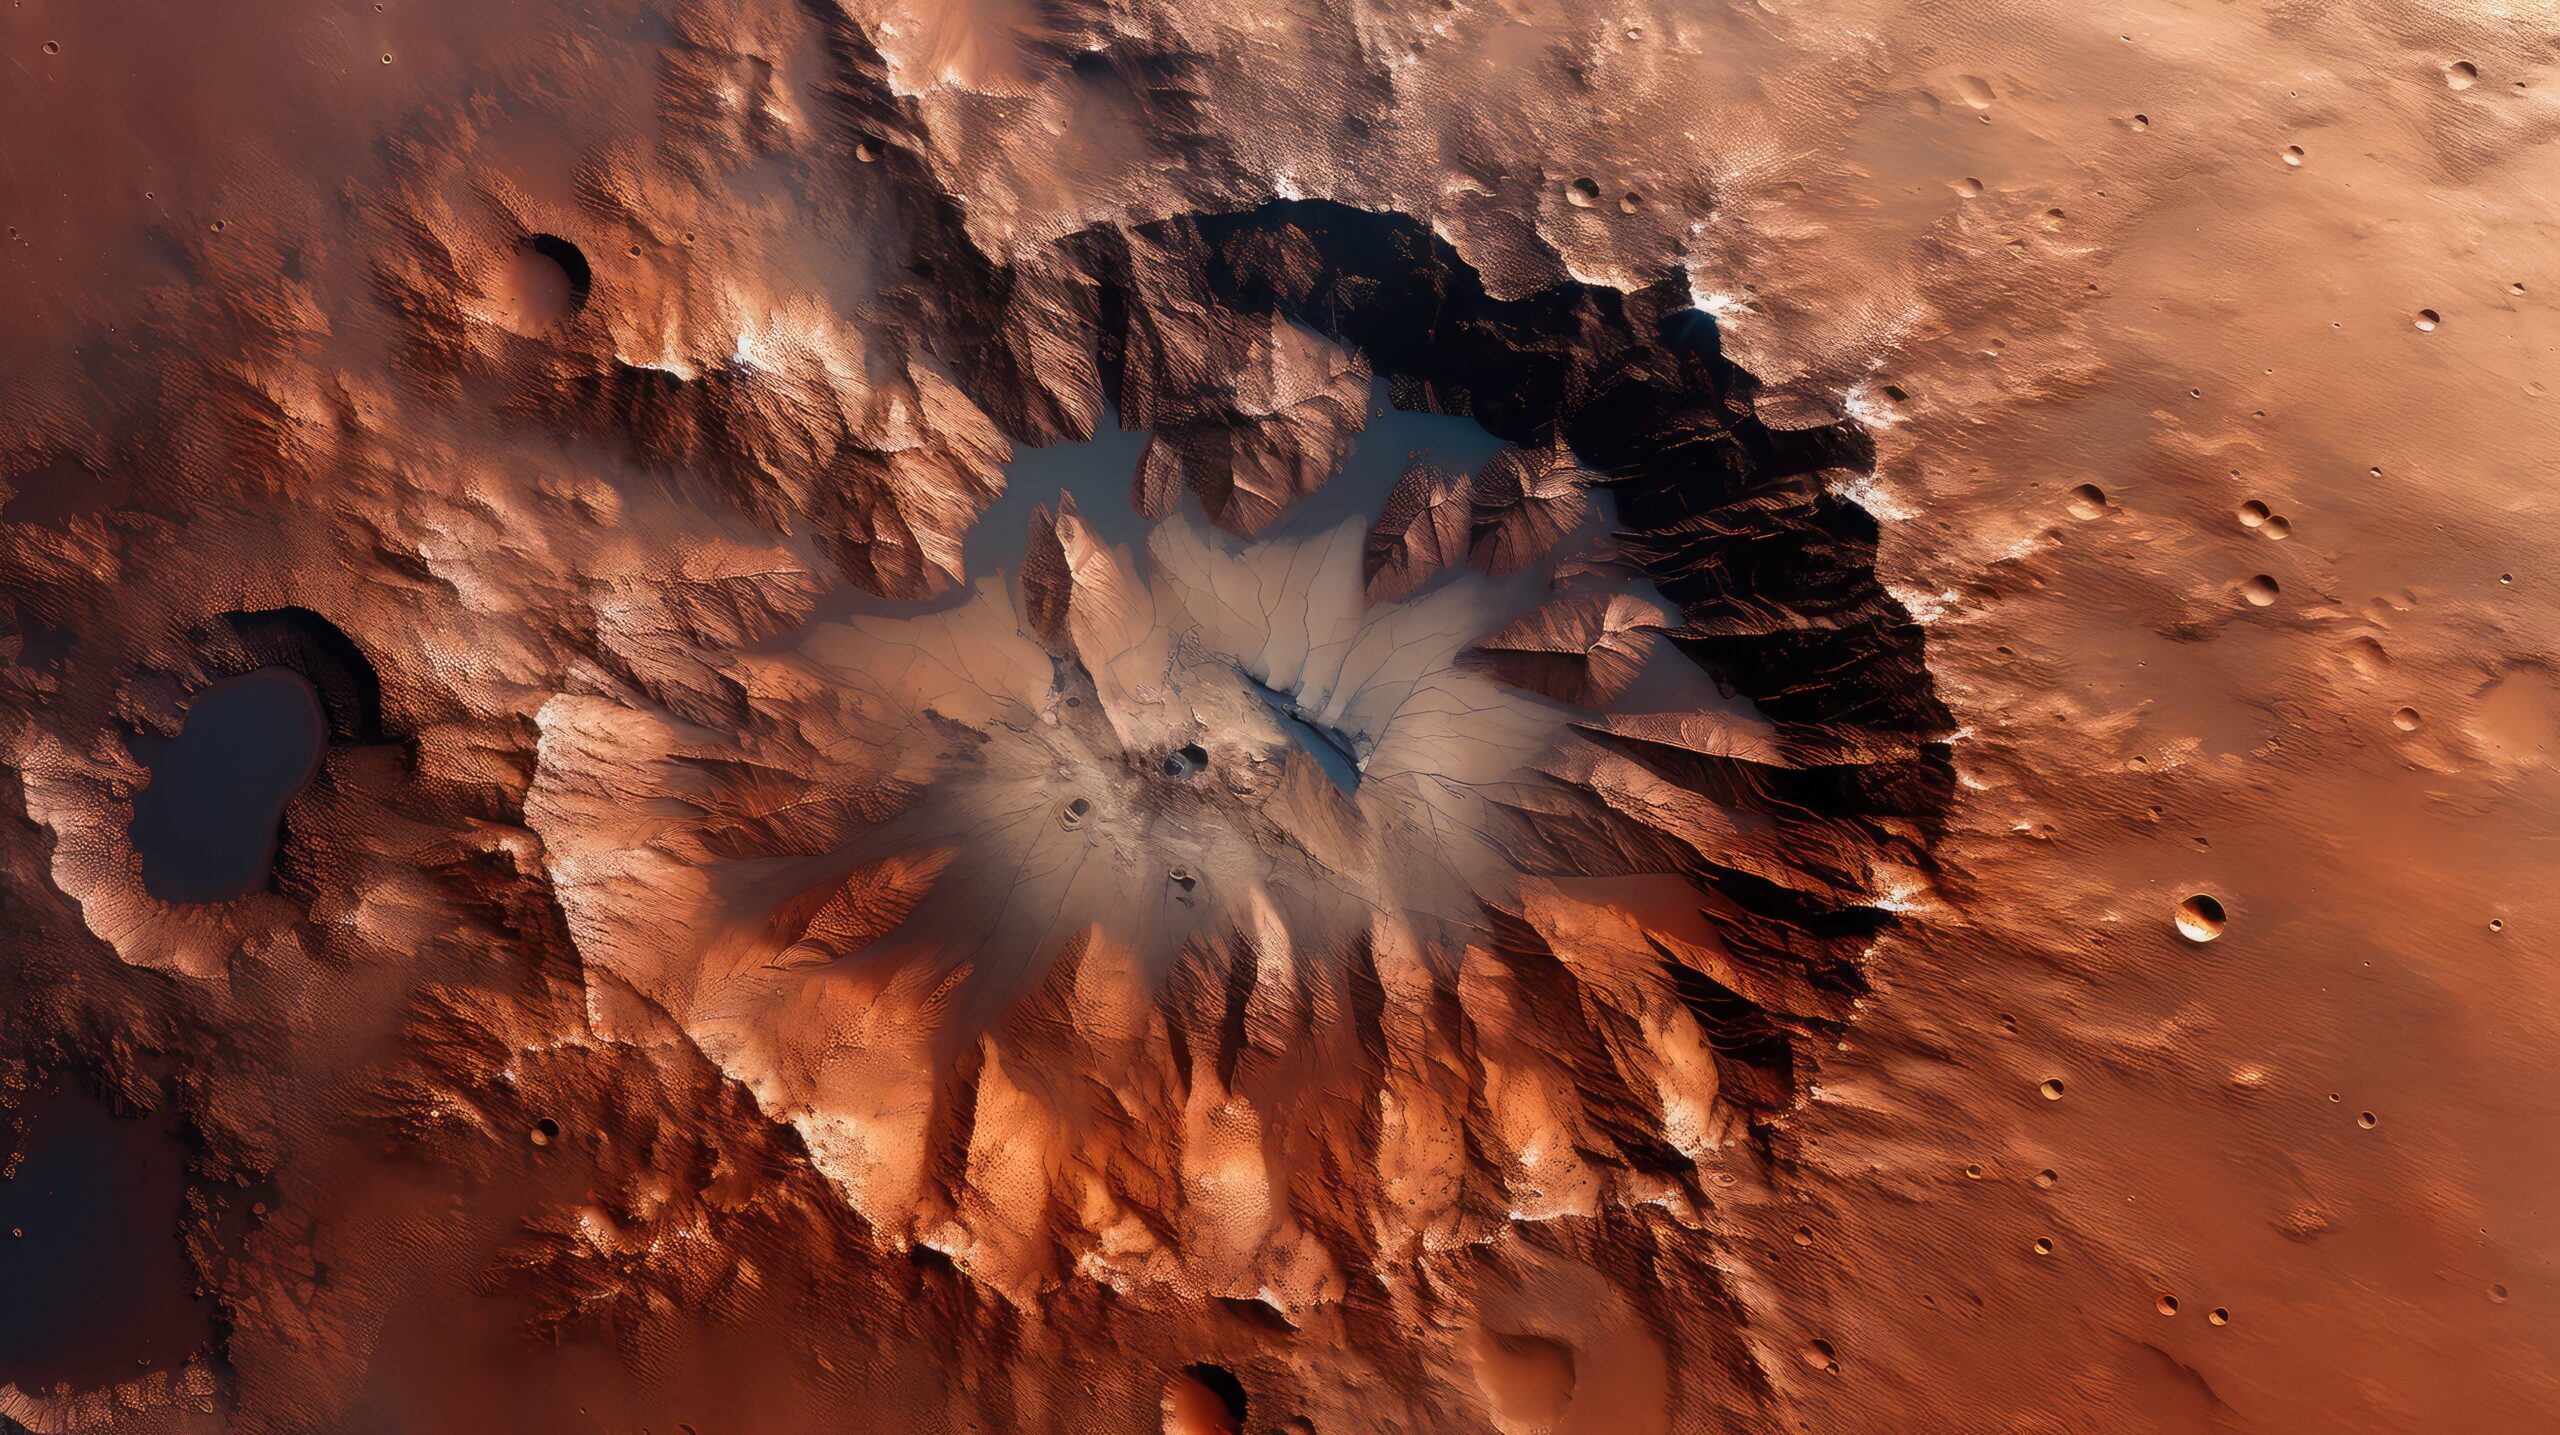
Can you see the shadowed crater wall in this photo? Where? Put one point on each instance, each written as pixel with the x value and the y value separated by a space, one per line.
pixel 1259 921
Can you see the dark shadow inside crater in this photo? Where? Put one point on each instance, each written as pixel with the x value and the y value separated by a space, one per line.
pixel 1225 1405
pixel 1828 790
pixel 94 1285
pixel 1752 1048
pixel 551 280
pixel 1718 505
pixel 308 644
pixel 1730 520
pixel 206 823
pixel 209 824
pixel 1766 572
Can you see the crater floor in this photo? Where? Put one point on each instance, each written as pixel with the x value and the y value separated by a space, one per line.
pixel 745 715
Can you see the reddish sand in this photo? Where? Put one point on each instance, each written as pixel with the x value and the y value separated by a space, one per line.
pixel 2087 968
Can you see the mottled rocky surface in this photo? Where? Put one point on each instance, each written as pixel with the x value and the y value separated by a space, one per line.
pixel 1667 929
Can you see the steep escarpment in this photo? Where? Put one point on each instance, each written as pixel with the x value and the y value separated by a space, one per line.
pixel 1107 717
pixel 1193 926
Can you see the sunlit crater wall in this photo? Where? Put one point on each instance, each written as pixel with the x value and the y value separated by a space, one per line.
pixel 1076 815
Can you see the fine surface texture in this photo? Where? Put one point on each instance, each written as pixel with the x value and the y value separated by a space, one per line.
pixel 770 715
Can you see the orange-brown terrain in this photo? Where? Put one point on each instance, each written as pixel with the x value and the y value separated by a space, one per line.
pixel 1028 715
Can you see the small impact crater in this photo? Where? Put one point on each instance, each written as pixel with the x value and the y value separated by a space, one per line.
pixel 2201 919
pixel 546 282
pixel 1204 1399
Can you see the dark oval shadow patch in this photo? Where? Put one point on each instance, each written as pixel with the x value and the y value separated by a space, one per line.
pixel 94 1285
pixel 206 823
